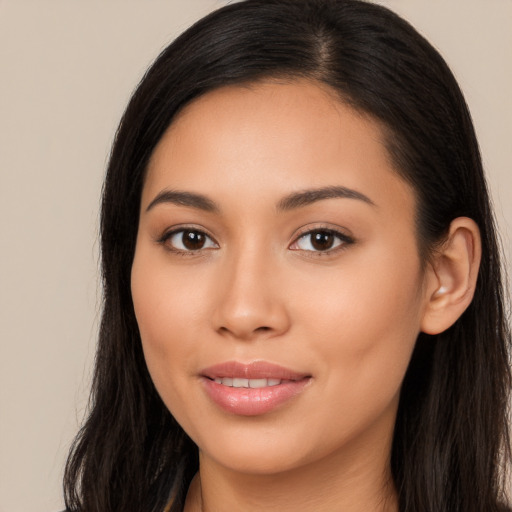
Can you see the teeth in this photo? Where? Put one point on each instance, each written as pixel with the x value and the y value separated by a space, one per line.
pixel 247 383
pixel 258 383
pixel 240 383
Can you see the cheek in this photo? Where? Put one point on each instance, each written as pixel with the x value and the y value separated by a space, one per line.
pixel 164 297
pixel 367 321
pixel 165 308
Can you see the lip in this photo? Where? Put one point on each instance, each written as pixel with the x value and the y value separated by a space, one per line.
pixel 252 401
pixel 254 370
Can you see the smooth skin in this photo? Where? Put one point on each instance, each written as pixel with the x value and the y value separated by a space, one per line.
pixel 332 286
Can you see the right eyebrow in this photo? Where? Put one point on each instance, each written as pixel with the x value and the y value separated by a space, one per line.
pixel 181 198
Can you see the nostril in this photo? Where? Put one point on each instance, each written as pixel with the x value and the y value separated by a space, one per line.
pixel 244 319
pixel 245 333
pixel 263 329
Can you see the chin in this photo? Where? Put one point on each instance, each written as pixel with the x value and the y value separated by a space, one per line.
pixel 254 462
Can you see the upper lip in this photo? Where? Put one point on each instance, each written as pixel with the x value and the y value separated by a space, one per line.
pixel 253 370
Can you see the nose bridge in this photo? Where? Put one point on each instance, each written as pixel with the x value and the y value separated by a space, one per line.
pixel 250 302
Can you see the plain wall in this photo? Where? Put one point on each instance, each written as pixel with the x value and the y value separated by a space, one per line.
pixel 67 70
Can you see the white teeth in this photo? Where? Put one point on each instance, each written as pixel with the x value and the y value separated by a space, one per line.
pixel 240 383
pixel 247 383
pixel 258 383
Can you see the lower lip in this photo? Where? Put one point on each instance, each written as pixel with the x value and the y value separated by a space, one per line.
pixel 253 401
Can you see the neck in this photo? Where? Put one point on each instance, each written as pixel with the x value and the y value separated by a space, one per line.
pixel 347 482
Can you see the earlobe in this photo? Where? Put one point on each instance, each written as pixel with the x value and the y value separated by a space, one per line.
pixel 451 276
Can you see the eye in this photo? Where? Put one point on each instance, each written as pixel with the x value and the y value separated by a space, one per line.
pixel 188 240
pixel 320 240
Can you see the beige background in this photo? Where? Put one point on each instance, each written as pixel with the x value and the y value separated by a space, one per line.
pixel 67 70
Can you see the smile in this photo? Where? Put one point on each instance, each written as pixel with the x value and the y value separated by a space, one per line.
pixel 252 389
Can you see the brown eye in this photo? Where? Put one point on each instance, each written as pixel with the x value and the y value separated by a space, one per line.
pixel 321 240
pixel 189 240
pixel 193 240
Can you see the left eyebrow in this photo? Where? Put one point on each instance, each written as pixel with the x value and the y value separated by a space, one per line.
pixel 182 198
pixel 307 197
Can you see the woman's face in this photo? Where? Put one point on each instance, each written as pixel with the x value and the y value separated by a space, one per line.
pixel 276 280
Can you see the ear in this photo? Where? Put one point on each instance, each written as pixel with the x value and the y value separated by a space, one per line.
pixel 451 276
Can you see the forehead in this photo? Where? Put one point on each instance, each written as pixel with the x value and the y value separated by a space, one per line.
pixel 272 137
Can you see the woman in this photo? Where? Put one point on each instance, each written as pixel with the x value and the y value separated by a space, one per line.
pixel 303 304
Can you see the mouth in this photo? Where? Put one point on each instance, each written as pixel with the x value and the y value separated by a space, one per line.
pixel 252 389
pixel 236 382
pixel 255 371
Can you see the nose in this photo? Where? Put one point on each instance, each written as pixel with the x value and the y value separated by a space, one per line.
pixel 251 299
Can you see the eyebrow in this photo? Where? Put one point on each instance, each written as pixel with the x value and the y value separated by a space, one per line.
pixel 307 197
pixel 184 199
pixel 290 202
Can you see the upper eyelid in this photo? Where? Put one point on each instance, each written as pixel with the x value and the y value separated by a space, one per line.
pixel 337 230
pixel 168 232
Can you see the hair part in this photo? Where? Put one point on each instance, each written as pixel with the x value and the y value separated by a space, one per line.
pixel 451 434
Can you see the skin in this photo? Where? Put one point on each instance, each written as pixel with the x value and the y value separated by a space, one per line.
pixel 258 290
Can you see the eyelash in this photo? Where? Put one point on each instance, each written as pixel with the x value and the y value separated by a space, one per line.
pixel 167 236
pixel 340 239
pixel 342 242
